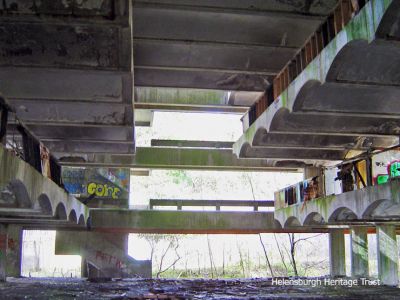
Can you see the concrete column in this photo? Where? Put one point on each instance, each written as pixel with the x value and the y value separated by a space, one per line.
pixel 359 252
pixel 3 252
pixel 337 256
pixel 14 250
pixel 103 254
pixel 388 256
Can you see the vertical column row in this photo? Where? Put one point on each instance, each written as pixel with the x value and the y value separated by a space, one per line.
pixel 387 251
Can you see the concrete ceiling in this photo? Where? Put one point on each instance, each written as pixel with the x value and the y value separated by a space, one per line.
pixel 350 107
pixel 69 67
pixel 222 45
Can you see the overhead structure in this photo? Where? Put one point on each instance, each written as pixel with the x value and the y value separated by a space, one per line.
pixel 343 103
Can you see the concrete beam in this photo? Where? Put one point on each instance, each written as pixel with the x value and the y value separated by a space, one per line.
pixel 346 98
pixel 201 79
pixel 256 27
pixel 293 7
pixel 166 158
pixel 77 112
pixel 64 84
pixel 344 125
pixel 179 203
pixel 66 131
pixel 88 146
pixel 55 45
pixel 101 10
pixel 324 142
pixel 388 255
pixel 359 252
pixel 337 257
pixel 294 153
pixel 180 96
pixel 181 221
pixel 218 57
pixel 190 144
pixel 194 97
pixel 190 108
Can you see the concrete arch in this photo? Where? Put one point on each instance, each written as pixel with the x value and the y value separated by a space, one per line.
pixel 377 207
pixel 292 222
pixel 314 218
pixel 304 93
pixel 81 220
pixel 389 27
pixel 18 194
pixel 361 62
pixel 259 135
pixel 277 224
pixel 72 216
pixel 342 214
pixel 279 118
pixel 61 212
pixel 45 204
pixel 243 150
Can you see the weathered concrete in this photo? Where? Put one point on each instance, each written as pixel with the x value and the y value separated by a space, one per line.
pixel 107 253
pixel 28 189
pixel 214 52
pixel 190 222
pixel 67 68
pixel 341 70
pixel 14 250
pixel 337 256
pixel 388 255
pixel 176 158
pixel 359 252
pixel 3 252
pixel 375 204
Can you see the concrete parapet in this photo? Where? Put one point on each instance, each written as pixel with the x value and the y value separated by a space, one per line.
pixel 24 190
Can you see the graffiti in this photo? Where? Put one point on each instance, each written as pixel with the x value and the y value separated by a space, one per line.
pixel 103 190
pixel 385 165
pixel 12 244
pixel 107 258
pixel 393 170
pixel 108 183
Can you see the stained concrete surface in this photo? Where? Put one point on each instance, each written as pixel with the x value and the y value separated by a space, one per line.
pixel 261 288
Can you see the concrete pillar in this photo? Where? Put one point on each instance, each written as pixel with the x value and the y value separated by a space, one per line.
pixel 359 252
pixel 3 252
pixel 388 256
pixel 337 256
pixel 103 254
pixel 14 250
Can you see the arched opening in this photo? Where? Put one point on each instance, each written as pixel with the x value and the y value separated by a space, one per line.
pixel 342 214
pixel 61 212
pixel 81 220
pixel 72 217
pixel 277 224
pixel 292 222
pixel 16 194
pixel 45 204
pixel 382 208
pixel 314 218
